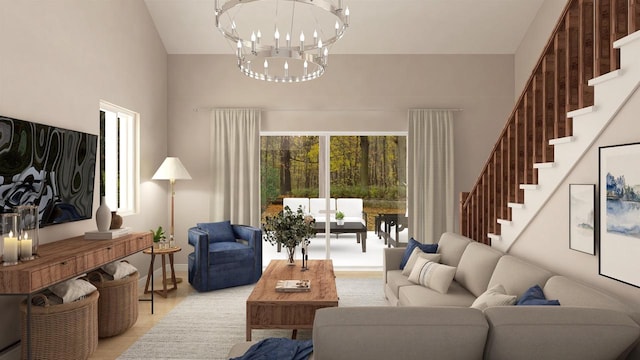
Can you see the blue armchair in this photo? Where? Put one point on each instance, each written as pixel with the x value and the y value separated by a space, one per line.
pixel 224 255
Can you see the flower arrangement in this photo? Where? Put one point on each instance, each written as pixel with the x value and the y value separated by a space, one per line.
pixel 289 229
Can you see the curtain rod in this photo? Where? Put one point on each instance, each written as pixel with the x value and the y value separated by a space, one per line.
pixel 329 110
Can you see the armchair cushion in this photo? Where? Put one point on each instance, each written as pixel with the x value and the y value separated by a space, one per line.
pixel 229 252
pixel 219 231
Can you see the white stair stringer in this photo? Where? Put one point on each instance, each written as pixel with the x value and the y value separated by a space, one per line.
pixel 611 92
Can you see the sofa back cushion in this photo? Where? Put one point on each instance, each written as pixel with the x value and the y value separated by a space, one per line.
pixel 476 267
pixel 317 205
pixel 351 207
pixel 517 275
pixel 451 246
pixel 219 231
pixel 295 203
pixel 347 333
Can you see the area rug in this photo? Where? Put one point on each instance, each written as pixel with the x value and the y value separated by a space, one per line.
pixel 207 325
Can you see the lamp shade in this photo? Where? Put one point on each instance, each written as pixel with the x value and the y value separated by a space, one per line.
pixel 171 169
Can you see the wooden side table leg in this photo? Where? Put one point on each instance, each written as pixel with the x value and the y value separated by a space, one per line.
pixel 149 275
pixel 164 276
pixel 173 273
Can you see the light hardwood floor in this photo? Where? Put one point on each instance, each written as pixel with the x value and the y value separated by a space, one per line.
pixel 111 348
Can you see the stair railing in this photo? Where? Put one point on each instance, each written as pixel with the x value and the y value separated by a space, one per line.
pixel 579 49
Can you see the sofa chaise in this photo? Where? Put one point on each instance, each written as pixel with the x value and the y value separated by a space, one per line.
pixel 423 323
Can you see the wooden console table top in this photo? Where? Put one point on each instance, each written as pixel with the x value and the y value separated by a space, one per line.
pixel 68 258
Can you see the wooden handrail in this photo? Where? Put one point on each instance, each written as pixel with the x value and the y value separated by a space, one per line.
pixel 579 49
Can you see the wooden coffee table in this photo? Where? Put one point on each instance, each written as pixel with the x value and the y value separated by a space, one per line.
pixel 268 309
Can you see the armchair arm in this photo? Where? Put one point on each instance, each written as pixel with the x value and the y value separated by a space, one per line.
pixel 199 239
pixel 253 236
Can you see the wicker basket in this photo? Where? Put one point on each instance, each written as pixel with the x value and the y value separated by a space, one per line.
pixel 64 331
pixel 118 304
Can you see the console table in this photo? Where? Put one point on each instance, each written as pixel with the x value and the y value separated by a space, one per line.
pixel 65 259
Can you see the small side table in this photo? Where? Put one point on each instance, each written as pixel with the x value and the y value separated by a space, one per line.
pixel 164 253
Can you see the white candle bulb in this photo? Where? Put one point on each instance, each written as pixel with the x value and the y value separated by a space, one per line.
pixel 337 27
pixel 276 36
pixel 302 41
pixel 286 69
pixel 288 37
pixel 259 36
pixel 346 14
pixel 253 41
pixel 315 36
pixel 305 67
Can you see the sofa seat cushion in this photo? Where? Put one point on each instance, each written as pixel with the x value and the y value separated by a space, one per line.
pixel 417 295
pixel 229 252
pixel 395 280
pixel 568 333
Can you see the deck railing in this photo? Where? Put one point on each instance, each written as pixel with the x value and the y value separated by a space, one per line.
pixel 579 49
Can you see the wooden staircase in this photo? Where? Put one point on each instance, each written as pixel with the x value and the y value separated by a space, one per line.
pixel 578 85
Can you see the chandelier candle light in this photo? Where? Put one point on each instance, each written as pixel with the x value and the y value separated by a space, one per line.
pixel 266 58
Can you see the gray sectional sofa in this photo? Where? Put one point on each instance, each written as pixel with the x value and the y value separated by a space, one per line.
pixel 426 324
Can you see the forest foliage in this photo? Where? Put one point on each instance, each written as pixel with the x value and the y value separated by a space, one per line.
pixel 369 167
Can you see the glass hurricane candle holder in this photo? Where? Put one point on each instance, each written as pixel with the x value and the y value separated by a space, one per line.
pixel 10 242
pixel 28 234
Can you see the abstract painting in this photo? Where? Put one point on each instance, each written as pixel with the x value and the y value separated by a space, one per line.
pixel 582 218
pixel 619 197
pixel 47 166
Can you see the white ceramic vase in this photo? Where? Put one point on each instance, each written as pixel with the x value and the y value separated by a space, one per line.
pixel 103 216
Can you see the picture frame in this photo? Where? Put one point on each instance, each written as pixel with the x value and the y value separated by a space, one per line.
pixel 582 218
pixel 619 210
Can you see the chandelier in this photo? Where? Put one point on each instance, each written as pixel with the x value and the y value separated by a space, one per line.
pixel 282 40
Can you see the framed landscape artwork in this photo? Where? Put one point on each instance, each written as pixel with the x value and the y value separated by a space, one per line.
pixel 619 196
pixel 581 218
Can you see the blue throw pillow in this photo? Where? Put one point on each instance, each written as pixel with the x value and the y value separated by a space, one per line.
pixel 428 248
pixel 219 231
pixel 535 296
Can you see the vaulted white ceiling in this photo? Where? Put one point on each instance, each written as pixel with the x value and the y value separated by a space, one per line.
pixel 377 26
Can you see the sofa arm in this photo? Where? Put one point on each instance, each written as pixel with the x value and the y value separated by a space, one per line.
pixel 398 333
pixel 391 258
pixel 517 332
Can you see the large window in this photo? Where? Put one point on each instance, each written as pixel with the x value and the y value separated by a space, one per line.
pixel 119 157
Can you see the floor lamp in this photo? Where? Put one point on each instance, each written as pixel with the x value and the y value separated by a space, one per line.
pixel 172 170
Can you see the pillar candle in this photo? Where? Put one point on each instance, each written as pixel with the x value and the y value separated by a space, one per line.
pixel 10 249
pixel 25 248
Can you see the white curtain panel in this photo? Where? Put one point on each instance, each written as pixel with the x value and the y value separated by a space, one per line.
pixel 235 166
pixel 431 198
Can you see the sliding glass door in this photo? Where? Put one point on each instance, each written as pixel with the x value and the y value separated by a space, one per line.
pixel 361 176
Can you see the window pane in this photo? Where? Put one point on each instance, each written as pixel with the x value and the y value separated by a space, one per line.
pixel 118 154
pixel 289 168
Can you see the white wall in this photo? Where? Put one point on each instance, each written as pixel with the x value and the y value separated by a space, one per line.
pixel 533 43
pixel 57 60
pixel 546 239
pixel 358 93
